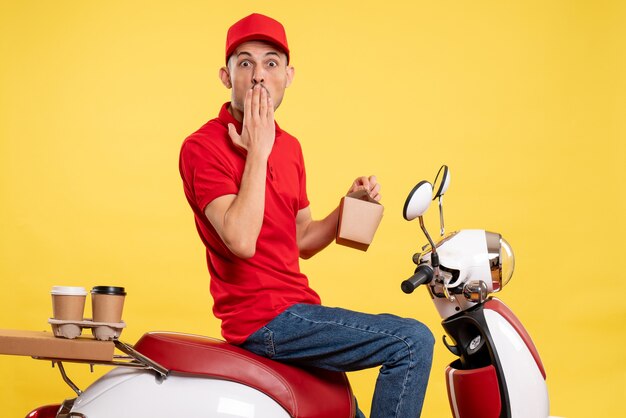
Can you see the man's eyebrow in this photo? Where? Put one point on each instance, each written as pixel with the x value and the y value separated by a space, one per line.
pixel 247 54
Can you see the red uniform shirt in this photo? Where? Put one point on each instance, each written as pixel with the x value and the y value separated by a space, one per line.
pixel 248 293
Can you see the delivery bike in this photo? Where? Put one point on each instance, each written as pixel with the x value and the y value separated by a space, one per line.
pixel 497 372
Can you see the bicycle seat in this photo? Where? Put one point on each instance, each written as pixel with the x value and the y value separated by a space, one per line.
pixel 302 392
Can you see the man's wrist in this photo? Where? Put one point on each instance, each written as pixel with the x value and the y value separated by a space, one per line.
pixel 258 155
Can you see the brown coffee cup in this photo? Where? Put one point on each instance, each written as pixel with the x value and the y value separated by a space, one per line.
pixel 107 303
pixel 68 302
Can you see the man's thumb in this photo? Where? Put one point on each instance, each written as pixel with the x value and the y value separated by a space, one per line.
pixel 232 132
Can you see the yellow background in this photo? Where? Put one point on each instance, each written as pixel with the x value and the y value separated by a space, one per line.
pixel 524 100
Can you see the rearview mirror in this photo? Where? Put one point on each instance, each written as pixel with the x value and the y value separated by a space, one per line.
pixel 442 181
pixel 418 200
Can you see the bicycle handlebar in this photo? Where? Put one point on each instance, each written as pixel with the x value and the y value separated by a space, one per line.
pixel 423 274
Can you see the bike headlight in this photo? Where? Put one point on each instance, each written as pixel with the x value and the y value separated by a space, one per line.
pixel 501 260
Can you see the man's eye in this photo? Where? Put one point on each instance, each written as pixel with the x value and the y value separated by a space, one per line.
pixel 272 64
pixel 244 64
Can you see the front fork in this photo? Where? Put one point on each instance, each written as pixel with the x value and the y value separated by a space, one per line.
pixel 475 381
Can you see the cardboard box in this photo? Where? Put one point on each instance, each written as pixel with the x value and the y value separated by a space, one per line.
pixel 45 344
pixel 359 217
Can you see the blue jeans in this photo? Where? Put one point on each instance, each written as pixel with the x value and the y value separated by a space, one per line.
pixel 341 340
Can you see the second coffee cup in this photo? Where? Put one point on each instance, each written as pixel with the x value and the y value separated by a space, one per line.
pixel 107 303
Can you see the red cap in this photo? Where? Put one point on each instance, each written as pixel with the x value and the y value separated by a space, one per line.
pixel 256 27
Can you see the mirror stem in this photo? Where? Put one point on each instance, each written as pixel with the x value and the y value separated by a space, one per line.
pixel 443 229
pixel 430 240
pixel 434 257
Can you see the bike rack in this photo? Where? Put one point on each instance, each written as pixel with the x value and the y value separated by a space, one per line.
pixel 132 359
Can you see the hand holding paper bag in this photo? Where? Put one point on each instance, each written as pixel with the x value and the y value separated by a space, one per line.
pixel 369 184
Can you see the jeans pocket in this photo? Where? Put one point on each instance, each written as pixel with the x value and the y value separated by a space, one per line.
pixel 268 337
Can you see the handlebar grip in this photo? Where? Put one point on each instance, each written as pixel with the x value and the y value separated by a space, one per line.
pixel 423 274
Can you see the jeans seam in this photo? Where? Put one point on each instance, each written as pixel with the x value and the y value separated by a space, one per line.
pixel 270 348
pixel 406 376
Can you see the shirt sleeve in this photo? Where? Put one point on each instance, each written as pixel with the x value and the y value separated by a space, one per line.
pixel 206 174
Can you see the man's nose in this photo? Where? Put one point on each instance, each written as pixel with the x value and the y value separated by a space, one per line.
pixel 258 76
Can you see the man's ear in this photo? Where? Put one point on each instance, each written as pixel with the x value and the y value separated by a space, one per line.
pixel 291 72
pixel 225 77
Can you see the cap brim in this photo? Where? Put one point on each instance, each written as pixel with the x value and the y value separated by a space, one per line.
pixel 257 37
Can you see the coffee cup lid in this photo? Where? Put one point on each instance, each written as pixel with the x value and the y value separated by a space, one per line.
pixel 108 290
pixel 68 291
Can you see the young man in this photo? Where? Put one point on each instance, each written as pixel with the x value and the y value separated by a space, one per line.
pixel 244 178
